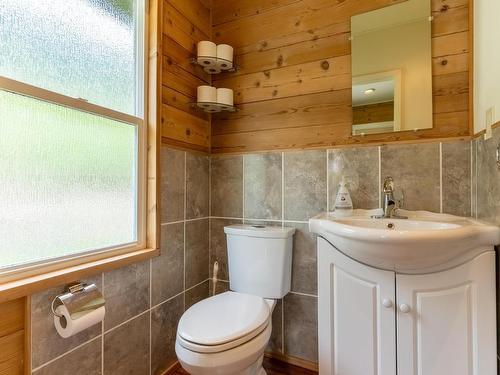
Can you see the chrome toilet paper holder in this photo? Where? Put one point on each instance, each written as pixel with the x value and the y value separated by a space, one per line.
pixel 79 298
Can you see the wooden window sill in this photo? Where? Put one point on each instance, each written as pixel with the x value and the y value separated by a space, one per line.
pixel 29 285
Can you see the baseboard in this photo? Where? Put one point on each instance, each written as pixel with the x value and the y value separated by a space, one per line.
pixel 280 357
pixel 172 368
pixel 299 362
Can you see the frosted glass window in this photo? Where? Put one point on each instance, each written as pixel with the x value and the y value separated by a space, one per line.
pixel 79 48
pixel 68 181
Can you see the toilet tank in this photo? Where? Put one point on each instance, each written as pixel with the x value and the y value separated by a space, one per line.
pixel 260 259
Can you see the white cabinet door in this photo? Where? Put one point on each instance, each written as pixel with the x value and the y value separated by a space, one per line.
pixel 356 316
pixel 446 320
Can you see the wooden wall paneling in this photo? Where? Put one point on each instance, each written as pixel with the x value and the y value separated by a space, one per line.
pixel 225 11
pixel 12 337
pixel 291 112
pixel 185 23
pixel 185 128
pixel 197 13
pixel 293 54
pixel 308 78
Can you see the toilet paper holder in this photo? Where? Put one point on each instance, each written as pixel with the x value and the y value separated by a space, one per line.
pixel 79 298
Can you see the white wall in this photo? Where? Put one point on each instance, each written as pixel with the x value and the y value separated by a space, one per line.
pixel 486 60
pixel 408 48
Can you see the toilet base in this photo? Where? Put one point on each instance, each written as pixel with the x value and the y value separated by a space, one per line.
pixel 245 359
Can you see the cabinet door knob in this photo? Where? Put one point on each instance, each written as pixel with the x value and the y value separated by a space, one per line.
pixel 386 302
pixel 404 308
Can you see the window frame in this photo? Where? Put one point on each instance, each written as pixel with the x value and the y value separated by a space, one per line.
pixel 104 257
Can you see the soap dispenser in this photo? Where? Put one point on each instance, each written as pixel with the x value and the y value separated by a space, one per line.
pixel 343 202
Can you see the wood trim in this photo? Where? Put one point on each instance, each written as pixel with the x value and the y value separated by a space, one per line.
pixel 172 368
pixel 313 366
pixel 281 357
pixel 29 285
pixel 27 335
pixel 13 333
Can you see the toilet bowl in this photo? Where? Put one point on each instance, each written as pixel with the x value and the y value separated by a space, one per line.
pixel 228 333
pixel 225 334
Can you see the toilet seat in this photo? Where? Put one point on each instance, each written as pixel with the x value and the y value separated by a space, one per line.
pixel 223 322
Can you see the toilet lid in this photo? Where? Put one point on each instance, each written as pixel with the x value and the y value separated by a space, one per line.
pixel 223 318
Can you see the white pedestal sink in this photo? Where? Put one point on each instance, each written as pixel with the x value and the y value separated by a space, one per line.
pixel 425 242
pixel 406 296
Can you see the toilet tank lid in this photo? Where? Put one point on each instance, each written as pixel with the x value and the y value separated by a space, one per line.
pixel 263 231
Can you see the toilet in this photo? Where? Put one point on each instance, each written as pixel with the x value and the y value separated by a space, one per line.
pixel 229 332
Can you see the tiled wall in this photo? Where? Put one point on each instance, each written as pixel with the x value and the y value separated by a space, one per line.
pixel 287 188
pixel 486 191
pixel 144 301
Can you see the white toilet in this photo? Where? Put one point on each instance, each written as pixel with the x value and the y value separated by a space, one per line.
pixel 228 333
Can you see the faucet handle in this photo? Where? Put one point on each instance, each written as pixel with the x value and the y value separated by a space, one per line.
pixel 400 200
pixel 388 184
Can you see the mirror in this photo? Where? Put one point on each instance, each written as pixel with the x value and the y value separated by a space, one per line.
pixel 392 68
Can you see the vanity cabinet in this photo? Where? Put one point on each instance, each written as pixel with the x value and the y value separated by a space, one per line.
pixel 377 322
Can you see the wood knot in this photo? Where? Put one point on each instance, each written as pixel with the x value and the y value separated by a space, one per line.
pixel 444 62
pixel 263 44
pixel 275 92
pixel 297 23
pixel 325 65
pixel 444 8
pixel 279 62
pixel 267 73
pixel 188 131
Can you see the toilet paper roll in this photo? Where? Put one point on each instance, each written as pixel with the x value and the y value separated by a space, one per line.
pixel 207 53
pixel 67 327
pixel 225 96
pixel 206 94
pixel 224 56
pixel 212 69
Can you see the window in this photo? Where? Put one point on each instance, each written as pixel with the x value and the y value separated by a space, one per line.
pixel 72 133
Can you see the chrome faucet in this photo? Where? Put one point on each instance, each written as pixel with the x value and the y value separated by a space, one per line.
pixel 390 205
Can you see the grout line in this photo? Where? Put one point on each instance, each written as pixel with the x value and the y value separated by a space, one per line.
pixel 126 321
pixel 209 221
pixel 304 294
pixel 477 177
pixel 66 353
pixel 440 177
pixel 187 220
pixel 178 294
pixel 379 176
pixel 184 234
pixel 472 213
pixel 172 222
pixel 243 185
pixel 255 219
pixel 282 187
pixel 327 183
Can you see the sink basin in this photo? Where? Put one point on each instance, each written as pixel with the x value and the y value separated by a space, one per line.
pixel 425 242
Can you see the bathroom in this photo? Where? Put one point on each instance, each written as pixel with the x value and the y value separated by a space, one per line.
pixel 194 128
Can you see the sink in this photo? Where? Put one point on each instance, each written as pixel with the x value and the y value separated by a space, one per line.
pixel 425 242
